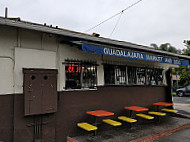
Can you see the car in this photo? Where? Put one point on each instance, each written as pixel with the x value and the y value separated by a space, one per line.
pixel 183 91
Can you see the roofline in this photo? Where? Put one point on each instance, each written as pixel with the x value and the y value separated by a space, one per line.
pixel 82 36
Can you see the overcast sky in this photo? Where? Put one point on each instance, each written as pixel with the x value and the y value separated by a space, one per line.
pixel 150 21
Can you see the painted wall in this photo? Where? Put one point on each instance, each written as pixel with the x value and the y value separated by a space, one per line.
pixel 7 44
pixel 6 76
pixel 20 48
pixel 73 105
pixel 31 58
pixel 29 49
pixel 8 41
pixel 71 52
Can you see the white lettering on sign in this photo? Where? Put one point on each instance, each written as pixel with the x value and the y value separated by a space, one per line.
pixel 141 56
pixel 123 53
pixel 168 60
pixel 177 62
pixel 154 58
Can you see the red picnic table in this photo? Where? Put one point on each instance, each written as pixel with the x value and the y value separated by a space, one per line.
pixel 135 108
pixel 165 104
pixel 99 113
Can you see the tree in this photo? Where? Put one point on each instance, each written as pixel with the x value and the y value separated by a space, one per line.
pixel 184 75
pixel 166 47
pixel 155 46
pixel 183 72
pixel 187 45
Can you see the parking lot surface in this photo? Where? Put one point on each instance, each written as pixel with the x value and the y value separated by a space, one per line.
pixel 182 104
pixel 180 136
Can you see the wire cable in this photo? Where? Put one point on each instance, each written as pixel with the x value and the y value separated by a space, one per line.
pixel 113 16
pixel 115 25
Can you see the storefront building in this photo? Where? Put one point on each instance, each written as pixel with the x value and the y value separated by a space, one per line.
pixel 50 77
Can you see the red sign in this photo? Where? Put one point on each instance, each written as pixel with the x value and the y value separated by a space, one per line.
pixel 72 69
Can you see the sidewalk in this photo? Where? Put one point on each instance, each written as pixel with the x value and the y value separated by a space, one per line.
pixel 183 107
pixel 180 136
pixel 141 132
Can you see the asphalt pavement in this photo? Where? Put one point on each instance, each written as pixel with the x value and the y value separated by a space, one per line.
pixel 181 100
pixel 169 129
pixel 182 104
pixel 180 136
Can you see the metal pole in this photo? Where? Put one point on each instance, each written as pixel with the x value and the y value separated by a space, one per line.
pixel 6 12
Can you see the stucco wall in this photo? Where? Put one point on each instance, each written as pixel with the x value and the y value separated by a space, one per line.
pixel 7 43
pixel 71 52
pixel 6 76
pixel 31 58
pixel 21 48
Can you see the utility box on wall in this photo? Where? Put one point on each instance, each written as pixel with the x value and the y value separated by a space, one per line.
pixel 40 91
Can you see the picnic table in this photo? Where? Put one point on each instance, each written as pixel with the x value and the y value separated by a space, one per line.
pixel 164 104
pixel 98 114
pixel 135 108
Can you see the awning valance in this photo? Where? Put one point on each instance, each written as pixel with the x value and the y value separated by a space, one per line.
pixel 101 50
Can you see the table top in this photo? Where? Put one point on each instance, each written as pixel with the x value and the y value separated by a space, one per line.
pixel 163 104
pixel 136 108
pixel 100 113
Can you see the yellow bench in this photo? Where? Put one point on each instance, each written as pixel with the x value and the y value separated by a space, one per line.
pixel 127 119
pixel 169 110
pixel 157 113
pixel 145 116
pixel 87 126
pixel 112 122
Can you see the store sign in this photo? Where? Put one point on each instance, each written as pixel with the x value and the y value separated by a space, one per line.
pixel 72 69
pixel 131 54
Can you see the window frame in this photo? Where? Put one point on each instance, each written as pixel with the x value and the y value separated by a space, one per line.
pixel 135 72
pixel 84 65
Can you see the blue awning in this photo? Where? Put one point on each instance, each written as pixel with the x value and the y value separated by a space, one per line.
pixel 101 50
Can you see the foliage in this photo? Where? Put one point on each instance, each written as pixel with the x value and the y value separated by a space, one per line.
pixel 182 71
pixel 155 46
pixel 166 47
pixel 187 45
pixel 184 75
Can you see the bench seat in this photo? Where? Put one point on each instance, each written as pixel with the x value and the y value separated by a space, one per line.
pixel 127 119
pixel 145 116
pixel 157 113
pixel 112 122
pixel 87 126
pixel 169 110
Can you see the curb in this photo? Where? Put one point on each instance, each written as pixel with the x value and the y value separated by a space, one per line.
pixel 69 139
pixel 183 115
pixel 162 134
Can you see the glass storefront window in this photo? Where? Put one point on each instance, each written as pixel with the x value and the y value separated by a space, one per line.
pixel 132 75
pixel 141 76
pixel 115 75
pixel 80 75
pixel 129 75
